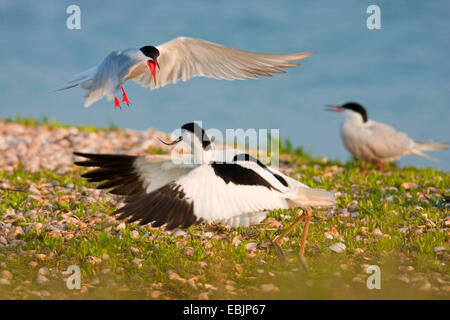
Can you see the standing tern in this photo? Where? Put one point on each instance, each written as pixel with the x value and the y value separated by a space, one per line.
pixel 236 192
pixel 376 142
pixel 179 59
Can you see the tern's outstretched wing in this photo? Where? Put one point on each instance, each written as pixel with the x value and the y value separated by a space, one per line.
pixel 184 58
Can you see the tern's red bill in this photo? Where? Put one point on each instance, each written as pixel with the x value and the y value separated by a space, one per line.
pixel 152 66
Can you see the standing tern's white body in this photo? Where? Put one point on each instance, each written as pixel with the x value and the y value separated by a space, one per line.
pixel 236 192
pixel 376 142
pixel 179 59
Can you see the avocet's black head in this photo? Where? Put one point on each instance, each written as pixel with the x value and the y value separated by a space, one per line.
pixel 150 52
pixel 192 133
pixel 198 131
pixel 356 107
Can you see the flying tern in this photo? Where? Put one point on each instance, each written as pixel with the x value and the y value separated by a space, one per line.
pixel 179 59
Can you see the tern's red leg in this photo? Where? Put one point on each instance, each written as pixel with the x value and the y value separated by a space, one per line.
pixel 116 102
pixel 125 97
pixel 381 164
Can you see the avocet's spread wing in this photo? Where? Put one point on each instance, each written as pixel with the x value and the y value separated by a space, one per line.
pixel 184 58
pixel 210 192
pixel 131 175
pixel 232 193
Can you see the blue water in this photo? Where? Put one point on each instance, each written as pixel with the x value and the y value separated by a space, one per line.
pixel 400 73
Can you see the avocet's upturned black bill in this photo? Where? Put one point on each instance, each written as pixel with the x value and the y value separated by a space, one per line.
pixel 179 59
pixel 376 142
pixel 235 192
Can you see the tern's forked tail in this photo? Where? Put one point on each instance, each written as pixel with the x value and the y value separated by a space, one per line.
pixel 420 146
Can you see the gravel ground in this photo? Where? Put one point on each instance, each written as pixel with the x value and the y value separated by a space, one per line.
pixel 52 148
pixel 398 219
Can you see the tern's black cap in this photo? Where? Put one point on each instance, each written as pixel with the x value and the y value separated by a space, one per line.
pixel 356 107
pixel 150 52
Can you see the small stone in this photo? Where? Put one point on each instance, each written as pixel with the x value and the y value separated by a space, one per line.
pixel 209 287
pixel 155 294
pixel 44 271
pixel 40 256
pixel 403 278
pixel 207 235
pixel 203 296
pixel 354 214
pixel 236 241
pixel 358 279
pixel 135 234
pixel 84 290
pixel 121 226
pixel 409 185
pixel 338 247
pixel 45 293
pixel 189 251
pixel 5 282
pixel 439 249
pixel 229 287
pixel 403 230
pixel 377 232
pixel 105 256
pixel 6 274
pixel 41 279
pixel 269 287
pixel 251 245
pixel 179 233
pixel 93 260
pixel 359 251
pixel 425 287
pixel 175 276
pixel 329 235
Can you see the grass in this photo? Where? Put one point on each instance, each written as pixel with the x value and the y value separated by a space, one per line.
pixel 63 221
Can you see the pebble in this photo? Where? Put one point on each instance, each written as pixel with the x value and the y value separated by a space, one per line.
pixel 338 247
pixel 377 232
pixel 121 226
pixel 203 296
pixel 93 260
pixel 34 146
pixel 403 230
pixel 5 282
pixel 251 245
pixel 41 279
pixel 6 274
pixel 236 241
pixel 409 185
pixel 179 233
pixel 135 234
pixel 84 290
pixel 44 271
pixel 269 287
pixel 439 249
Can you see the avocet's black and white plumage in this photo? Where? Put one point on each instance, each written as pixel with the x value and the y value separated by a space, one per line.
pixel 376 142
pixel 236 192
pixel 179 59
